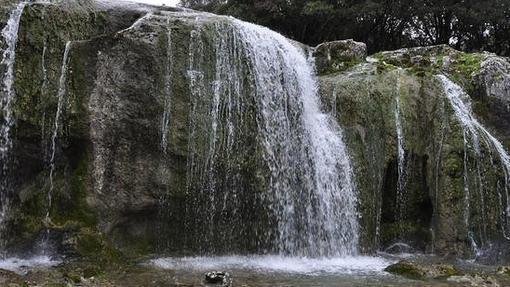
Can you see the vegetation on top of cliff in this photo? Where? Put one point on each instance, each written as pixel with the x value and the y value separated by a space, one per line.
pixel 467 25
pixel 427 61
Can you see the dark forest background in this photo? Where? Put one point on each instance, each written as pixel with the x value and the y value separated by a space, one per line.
pixel 468 25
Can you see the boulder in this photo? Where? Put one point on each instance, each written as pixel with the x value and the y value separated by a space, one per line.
pixel 492 86
pixel 338 56
pixel 421 271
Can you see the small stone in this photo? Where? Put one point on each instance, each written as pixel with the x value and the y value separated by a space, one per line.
pixel 218 278
pixel 504 270
pixel 474 280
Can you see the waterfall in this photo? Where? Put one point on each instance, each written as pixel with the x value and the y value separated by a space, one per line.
pixel 44 91
pixel 309 194
pixel 474 135
pixel 217 95
pixel 194 77
pixel 401 180
pixel 10 39
pixel 44 69
pixel 165 119
pixel 313 192
pixel 62 90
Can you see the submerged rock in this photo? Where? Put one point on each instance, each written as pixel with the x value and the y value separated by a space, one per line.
pixel 421 271
pixel 475 280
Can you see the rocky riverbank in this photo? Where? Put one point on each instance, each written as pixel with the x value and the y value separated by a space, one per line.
pixel 413 271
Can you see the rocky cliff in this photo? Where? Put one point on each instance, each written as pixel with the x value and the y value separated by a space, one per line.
pixel 452 198
pixel 120 139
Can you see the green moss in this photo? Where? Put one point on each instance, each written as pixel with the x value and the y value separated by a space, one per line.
pixel 446 270
pixel 454 165
pixel 422 271
pixel 92 245
pixel 341 66
pixel 466 64
pixel 462 68
pixel 407 228
pixel 406 269
pixel 71 205
pixel 383 67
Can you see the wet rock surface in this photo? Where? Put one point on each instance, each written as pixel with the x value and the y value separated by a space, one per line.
pixel 218 278
pixel 338 56
pixel 8 277
pixel 475 280
pixel 78 273
pixel 504 270
pixel 415 270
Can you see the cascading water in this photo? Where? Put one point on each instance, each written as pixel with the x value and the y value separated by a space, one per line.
pixel 10 39
pixel 216 94
pixel 165 119
pixel 8 95
pixel 318 218
pixel 401 180
pixel 475 137
pixel 44 91
pixel 310 190
pixel 62 90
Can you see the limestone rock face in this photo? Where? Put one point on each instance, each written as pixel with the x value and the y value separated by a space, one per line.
pixel 133 138
pixel 438 206
pixel 492 82
pixel 109 128
pixel 339 55
pixel 135 133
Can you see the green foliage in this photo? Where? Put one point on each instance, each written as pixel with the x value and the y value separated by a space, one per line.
pixel 314 8
pixel 383 24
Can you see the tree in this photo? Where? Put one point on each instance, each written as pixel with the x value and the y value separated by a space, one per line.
pixel 468 25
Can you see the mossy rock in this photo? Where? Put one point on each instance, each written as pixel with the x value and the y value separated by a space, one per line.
pixel 419 271
pixel 504 270
pixel 406 269
pixel 337 56
pixel 89 243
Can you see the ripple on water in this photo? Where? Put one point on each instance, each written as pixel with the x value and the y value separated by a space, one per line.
pixel 278 264
pixel 22 265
